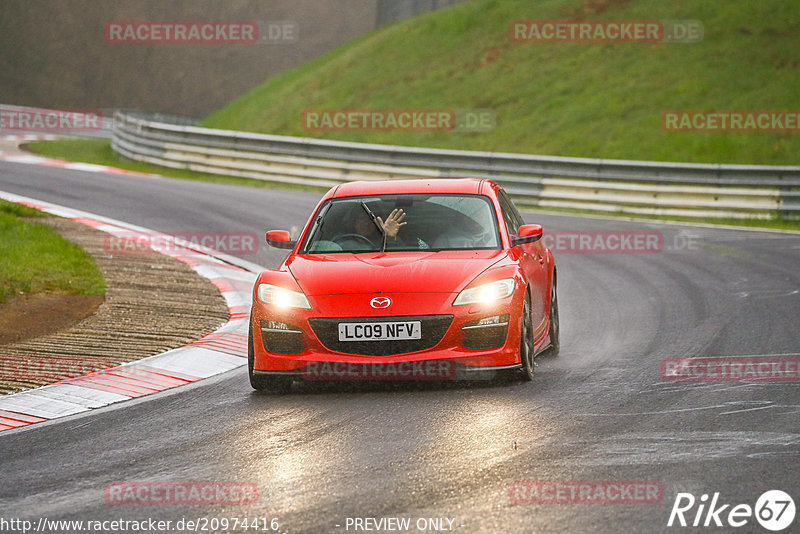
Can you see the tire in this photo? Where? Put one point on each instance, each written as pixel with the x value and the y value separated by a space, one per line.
pixel 555 326
pixel 526 348
pixel 270 384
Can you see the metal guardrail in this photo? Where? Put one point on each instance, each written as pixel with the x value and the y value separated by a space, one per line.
pixel 634 187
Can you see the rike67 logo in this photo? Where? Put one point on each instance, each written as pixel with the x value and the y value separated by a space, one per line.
pixel 774 510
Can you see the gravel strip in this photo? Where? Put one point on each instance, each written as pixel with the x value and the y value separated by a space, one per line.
pixel 153 303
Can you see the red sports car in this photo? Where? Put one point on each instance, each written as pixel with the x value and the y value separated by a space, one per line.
pixel 414 279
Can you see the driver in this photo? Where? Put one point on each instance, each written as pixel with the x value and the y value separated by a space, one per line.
pixel 391 226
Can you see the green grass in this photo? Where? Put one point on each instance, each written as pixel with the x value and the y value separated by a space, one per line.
pixel 98 151
pixel 574 99
pixel 20 210
pixel 36 259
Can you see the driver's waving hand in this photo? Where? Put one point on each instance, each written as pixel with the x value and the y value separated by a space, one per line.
pixel 393 223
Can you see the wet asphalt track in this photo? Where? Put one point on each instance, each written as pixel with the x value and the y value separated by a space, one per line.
pixel 599 411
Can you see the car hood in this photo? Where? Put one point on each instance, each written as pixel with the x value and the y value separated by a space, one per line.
pixel 390 272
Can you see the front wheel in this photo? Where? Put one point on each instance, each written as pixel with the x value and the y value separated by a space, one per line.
pixel 271 384
pixel 526 346
pixel 555 327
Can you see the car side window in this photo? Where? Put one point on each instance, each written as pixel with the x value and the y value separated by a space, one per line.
pixel 510 213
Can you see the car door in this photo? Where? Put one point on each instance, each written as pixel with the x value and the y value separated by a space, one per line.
pixel 531 259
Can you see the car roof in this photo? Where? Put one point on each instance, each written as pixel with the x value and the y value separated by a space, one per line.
pixel 400 187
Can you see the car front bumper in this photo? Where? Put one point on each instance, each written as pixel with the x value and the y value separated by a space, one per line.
pixel 291 341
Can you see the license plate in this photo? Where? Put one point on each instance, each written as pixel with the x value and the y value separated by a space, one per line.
pixel 396 331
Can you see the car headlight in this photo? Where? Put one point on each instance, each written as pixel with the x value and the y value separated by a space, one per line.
pixel 282 298
pixel 486 292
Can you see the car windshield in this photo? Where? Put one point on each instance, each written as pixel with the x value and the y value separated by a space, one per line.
pixel 424 222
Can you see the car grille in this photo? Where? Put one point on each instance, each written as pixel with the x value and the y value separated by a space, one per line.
pixel 433 329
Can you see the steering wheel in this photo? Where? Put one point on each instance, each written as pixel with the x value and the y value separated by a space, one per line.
pixel 356 237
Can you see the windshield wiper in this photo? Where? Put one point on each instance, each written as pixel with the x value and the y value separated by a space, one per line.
pixel 372 216
pixel 374 219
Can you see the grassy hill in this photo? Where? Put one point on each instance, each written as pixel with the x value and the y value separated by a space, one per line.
pixel 569 99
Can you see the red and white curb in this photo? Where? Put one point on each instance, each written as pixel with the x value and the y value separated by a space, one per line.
pixel 29 137
pixel 217 352
pixel 32 159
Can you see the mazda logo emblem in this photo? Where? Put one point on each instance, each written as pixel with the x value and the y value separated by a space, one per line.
pixel 380 302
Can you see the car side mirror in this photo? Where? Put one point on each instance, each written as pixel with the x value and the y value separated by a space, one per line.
pixel 527 233
pixel 280 239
